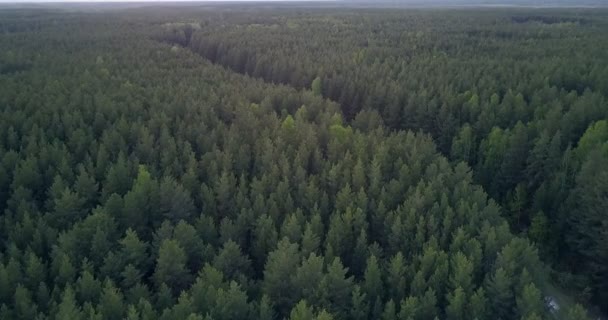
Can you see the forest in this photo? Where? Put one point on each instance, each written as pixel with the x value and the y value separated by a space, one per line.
pixel 228 161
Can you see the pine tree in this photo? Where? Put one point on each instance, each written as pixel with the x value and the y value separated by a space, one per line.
pixel 389 312
pixel 141 203
pixel 499 288
pixel 588 238
pixel 182 309
pixel 477 305
pixel 360 309
pixel 175 202
pixel 316 86
pixel 164 297
pixel 307 278
pixel 171 266
pixel 266 311
pixel 461 274
pixel 456 305
pixel 43 297
pixel 194 247
pixel 576 312
pixel 336 289
pixel 301 312
pixel 292 229
pixel 111 304
pixel 118 179
pixel 529 302
pixel 372 285
pixel 88 288
pixel 68 207
pixel 34 271
pixel 277 283
pixel 231 304
pixel 86 187
pixel 68 309
pixel 265 240
pixel 132 313
pixel 65 271
pixel 231 261
pixel 409 309
pixel 310 241
pixel 23 304
pixel 396 277
pixel 133 250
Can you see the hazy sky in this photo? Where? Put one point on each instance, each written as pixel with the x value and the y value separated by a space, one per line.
pixel 28 1
pixel 25 1
pixel 570 3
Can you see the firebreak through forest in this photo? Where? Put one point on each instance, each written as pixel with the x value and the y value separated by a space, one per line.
pixel 236 162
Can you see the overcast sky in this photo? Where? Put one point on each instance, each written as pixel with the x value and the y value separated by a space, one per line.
pixel 25 1
pixel 29 1
pixel 534 3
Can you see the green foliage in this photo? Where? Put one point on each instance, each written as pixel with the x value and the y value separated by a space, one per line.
pixel 111 305
pixel 231 304
pixel 456 304
pixel 301 312
pixel 336 289
pixel 277 275
pixel 231 261
pixel 595 136
pixel 372 283
pixel 140 180
pixel 530 302
pixel 265 309
pixel 68 309
pixel 171 266
pixel 317 86
pixel 576 312
pixel 498 287
pixel 463 145
pixel 587 218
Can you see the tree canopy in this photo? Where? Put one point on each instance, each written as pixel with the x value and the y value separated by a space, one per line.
pixel 224 163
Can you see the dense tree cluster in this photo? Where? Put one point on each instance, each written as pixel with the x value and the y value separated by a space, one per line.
pixel 512 94
pixel 139 180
